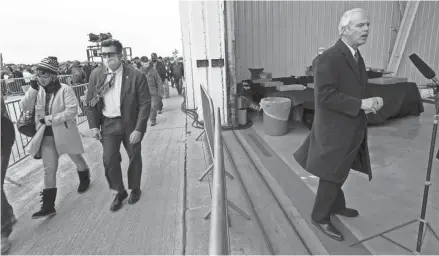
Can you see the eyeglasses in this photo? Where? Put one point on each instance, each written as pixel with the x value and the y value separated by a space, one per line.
pixel 42 74
pixel 109 54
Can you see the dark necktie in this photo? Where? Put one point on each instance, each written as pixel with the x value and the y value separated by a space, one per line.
pixel 102 90
pixel 356 57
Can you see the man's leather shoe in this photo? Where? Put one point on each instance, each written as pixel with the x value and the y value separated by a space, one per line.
pixel 329 230
pixel 348 212
pixel 118 200
pixel 134 196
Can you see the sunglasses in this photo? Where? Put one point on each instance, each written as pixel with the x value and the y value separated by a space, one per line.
pixel 109 54
pixel 42 74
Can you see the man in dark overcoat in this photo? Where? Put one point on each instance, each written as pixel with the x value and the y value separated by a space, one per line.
pixel 338 138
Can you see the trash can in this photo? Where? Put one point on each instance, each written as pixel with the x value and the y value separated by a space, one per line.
pixel 241 110
pixel 276 113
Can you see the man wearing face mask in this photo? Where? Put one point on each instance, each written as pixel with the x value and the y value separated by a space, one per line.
pixel 118 106
pixel 178 73
pixel 338 138
pixel 155 88
pixel 159 66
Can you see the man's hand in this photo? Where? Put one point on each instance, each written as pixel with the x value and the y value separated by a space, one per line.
pixel 95 133
pixel 372 104
pixel 135 137
pixel 378 103
pixel 155 100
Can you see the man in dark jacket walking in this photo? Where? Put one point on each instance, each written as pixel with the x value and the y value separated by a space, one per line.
pixel 178 73
pixel 118 105
pixel 338 138
pixel 156 90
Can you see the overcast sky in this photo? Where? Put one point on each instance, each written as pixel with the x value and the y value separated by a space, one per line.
pixel 34 29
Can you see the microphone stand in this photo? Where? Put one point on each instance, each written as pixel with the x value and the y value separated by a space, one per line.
pixel 422 221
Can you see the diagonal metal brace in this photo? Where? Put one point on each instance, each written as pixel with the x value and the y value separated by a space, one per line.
pixel 211 168
pixel 234 207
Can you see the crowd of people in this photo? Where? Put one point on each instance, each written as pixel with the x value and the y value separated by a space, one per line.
pixel 121 97
pixel 80 72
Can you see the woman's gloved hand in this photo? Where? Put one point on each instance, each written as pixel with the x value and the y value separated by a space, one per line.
pixel 34 84
pixel 42 121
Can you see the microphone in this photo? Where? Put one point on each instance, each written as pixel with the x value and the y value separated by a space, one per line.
pixel 425 70
pixel 428 73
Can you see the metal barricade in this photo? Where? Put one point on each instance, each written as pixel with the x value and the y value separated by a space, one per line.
pixel 14 86
pixel 13 108
pixel 219 234
pixel 18 149
pixel 65 79
pixel 19 86
pixel 219 241
pixel 209 122
pixel 79 92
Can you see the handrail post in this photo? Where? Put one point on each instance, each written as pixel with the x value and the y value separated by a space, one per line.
pixel 219 233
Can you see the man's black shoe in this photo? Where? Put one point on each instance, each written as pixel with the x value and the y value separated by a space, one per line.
pixel 118 200
pixel 348 212
pixel 135 196
pixel 329 230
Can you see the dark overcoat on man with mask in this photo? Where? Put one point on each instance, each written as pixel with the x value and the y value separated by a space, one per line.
pixel 338 138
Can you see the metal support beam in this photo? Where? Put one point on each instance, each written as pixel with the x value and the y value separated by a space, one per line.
pixel 230 57
pixel 401 5
pixel 401 39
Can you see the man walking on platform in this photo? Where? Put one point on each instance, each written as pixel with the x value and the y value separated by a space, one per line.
pixel 155 88
pixel 118 106
pixel 338 139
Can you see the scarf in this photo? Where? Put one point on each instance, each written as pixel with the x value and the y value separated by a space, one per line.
pixel 51 89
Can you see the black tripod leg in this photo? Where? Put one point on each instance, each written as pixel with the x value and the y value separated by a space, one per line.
pixel 432 231
pixel 396 243
pixel 422 221
pixel 384 232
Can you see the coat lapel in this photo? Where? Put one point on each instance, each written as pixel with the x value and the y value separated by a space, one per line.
pixel 350 59
pixel 125 84
pixel 362 66
pixel 102 76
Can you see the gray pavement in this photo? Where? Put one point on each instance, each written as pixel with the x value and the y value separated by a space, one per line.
pixel 399 153
pixel 84 223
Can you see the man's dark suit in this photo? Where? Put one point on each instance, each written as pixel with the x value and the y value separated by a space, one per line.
pixel 338 138
pixel 134 107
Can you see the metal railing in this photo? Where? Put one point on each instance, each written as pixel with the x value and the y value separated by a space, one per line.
pixel 80 91
pixel 219 241
pixel 19 86
pixel 208 117
pixel 14 110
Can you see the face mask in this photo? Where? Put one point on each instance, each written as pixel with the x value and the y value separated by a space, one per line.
pixel 112 63
pixel 44 81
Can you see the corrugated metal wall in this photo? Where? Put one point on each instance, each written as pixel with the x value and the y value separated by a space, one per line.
pixel 283 37
pixel 424 41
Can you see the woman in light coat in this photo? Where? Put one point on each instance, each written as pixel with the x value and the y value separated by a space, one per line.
pixel 56 108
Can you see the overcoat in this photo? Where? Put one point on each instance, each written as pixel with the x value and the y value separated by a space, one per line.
pixel 63 108
pixel 338 138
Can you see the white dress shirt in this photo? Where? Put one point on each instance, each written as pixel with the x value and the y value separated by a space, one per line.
pixel 350 48
pixel 112 96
